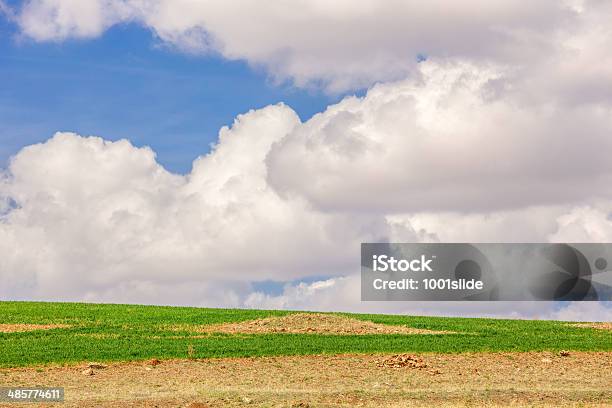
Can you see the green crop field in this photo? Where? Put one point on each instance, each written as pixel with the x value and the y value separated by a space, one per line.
pixel 123 332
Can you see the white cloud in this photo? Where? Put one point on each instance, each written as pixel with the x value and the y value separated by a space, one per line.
pixel 63 19
pixel 447 141
pixel 89 215
pixel 583 311
pixel 341 44
pixel 92 220
pixel 503 134
pixel 590 223
pixel 529 224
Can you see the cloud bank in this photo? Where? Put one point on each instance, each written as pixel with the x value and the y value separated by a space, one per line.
pixel 342 44
pixel 281 200
pixel 489 123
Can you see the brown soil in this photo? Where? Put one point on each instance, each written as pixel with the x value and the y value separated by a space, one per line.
pixel 312 323
pixel 600 325
pixel 471 379
pixel 14 328
pixel 401 361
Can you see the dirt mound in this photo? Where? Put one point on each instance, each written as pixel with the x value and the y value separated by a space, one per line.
pixel 316 323
pixel 401 361
pixel 19 327
pixel 600 326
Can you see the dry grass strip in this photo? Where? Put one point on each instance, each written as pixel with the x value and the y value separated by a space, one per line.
pixel 22 327
pixel 599 325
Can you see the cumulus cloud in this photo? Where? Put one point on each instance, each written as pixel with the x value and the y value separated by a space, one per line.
pixel 277 199
pixel 500 133
pixel 443 141
pixel 83 215
pixel 338 45
pixel 87 219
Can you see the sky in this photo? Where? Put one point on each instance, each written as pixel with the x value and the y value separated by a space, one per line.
pixel 236 154
pixel 126 84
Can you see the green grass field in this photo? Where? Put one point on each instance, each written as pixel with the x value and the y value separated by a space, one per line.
pixel 124 332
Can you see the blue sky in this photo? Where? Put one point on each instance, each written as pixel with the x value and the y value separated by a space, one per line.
pixel 125 84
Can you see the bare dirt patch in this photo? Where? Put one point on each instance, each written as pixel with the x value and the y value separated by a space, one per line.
pixel 470 379
pixel 315 323
pixel 19 327
pixel 401 361
pixel 599 325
